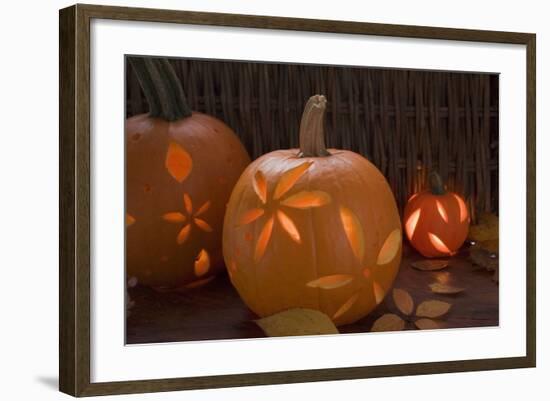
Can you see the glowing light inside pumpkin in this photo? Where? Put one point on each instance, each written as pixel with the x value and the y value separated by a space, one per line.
pixel 260 186
pixel 289 178
pixel 390 248
pixel 412 222
pixel 462 206
pixel 412 197
pixel 346 306
pixel 183 234
pixel 332 281
pixel 174 217
pixel 307 199
pixel 379 292
pixel 250 216
pixel 203 225
pixel 129 220
pixel 178 162
pixel 438 244
pixel 442 212
pixel 354 232
pixel 289 226
pixel 263 239
pixel 202 263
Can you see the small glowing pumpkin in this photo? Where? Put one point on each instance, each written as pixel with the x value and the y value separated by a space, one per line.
pixel 312 228
pixel 436 221
pixel 181 166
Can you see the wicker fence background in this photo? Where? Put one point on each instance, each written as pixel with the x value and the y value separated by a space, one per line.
pixel 406 122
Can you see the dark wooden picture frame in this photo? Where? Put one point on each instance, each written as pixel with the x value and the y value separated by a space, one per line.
pixel 74 206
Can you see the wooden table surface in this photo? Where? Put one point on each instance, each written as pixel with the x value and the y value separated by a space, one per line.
pixel 215 311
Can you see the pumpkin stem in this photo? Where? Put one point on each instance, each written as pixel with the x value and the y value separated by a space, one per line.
pixel 436 184
pixel 161 87
pixel 312 135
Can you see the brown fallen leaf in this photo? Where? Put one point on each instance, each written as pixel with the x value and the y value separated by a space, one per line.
pixel 388 322
pixel 440 288
pixel 486 228
pixel 427 324
pixel 432 309
pixel 430 264
pixel 297 322
pixel 403 301
pixel 483 258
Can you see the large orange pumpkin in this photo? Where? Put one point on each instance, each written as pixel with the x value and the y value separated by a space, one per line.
pixel 436 221
pixel 312 228
pixel 180 169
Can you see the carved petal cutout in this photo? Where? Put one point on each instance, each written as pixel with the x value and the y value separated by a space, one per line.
pixel 203 225
pixel 289 178
pixel 203 208
pixel 184 234
pixel 260 186
pixel 412 222
pixel 129 220
pixel 354 232
pixel 174 217
pixel 442 211
pixel 178 162
pixel 346 306
pixel 462 206
pixel 202 263
pixel 263 240
pixel 438 244
pixel 332 281
pixel 379 292
pixel 188 203
pixel 250 215
pixel 307 199
pixel 390 248
pixel 289 226
pixel 412 197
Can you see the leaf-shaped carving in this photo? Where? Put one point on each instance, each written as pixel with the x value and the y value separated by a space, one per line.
pixel 188 203
pixel 178 162
pixel 174 217
pixel 354 232
pixel 438 244
pixel 203 225
pixel 307 199
pixel 403 301
pixel 346 306
pixel 203 208
pixel 379 292
pixel 289 226
pixel 260 186
pixel 263 240
pixel 289 178
pixel 390 248
pixel 129 220
pixel 184 234
pixel 250 215
pixel 297 322
pixel 442 212
pixel 332 281
pixel 462 207
pixel 412 222
pixel 388 322
pixel 432 309
pixel 202 263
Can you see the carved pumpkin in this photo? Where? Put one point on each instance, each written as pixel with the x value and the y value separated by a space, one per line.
pixel 436 221
pixel 181 166
pixel 312 228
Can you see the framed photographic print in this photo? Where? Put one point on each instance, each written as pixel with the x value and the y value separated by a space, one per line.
pixel 297 200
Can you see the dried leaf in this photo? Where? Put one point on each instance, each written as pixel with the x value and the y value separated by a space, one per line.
pixel 440 288
pixel 484 259
pixel 427 324
pixel 403 301
pixel 432 309
pixel 388 322
pixel 297 322
pixel 486 229
pixel 430 264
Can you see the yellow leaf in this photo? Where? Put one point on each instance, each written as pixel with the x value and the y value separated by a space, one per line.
pixel 403 301
pixel 297 322
pixel 427 324
pixel 388 322
pixel 430 264
pixel 440 288
pixel 432 309
pixel 332 281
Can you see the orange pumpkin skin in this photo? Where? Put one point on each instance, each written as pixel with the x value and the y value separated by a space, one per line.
pixel 436 225
pixel 179 176
pixel 308 232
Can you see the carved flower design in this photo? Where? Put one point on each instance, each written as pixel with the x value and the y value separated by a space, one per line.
pixel 191 218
